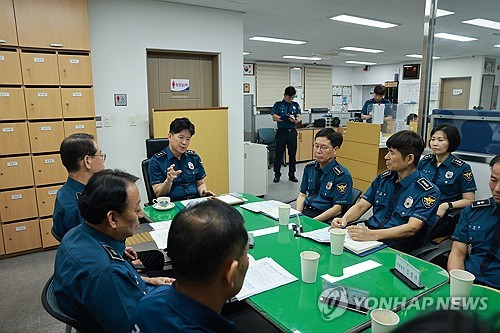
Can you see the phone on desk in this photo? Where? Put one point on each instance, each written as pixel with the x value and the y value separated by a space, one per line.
pixel 251 242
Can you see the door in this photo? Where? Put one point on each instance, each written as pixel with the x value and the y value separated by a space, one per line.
pixel 455 93
pixel 8 32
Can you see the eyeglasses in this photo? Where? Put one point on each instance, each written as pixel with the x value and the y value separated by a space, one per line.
pixel 322 148
pixel 103 155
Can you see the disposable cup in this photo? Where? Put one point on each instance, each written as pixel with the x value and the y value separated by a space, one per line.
pixel 337 237
pixel 309 266
pixel 460 285
pixel 383 320
pixel 284 214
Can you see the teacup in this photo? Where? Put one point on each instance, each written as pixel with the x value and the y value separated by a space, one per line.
pixel 162 201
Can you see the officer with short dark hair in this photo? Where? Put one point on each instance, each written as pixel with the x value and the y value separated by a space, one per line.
pixel 378 98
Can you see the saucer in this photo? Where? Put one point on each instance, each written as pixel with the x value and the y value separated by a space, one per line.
pixel 167 207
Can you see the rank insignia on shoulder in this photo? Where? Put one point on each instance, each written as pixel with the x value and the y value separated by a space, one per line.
pixel 457 161
pixel 426 185
pixel 482 203
pixel 428 201
pixel 428 156
pixel 313 162
pixel 190 152
pixel 468 175
pixel 338 171
pixel 112 253
pixel 161 154
pixel 386 173
pixel 341 188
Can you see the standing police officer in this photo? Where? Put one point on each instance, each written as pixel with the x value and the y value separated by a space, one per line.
pixel 378 98
pixel 287 114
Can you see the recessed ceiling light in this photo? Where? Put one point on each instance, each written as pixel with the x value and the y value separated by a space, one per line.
pixel 246 53
pixel 360 62
pixel 454 37
pixel 484 23
pixel 277 40
pixel 442 12
pixel 360 49
pixel 363 21
pixel 302 58
pixel 419 56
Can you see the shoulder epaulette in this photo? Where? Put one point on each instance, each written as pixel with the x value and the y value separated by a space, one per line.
pixel 457 161
pixel 161 154
pixel 386 173
pixel 482 203
pixel 338 170
pixel 190 152
pixel 112 253
pixel 426 185
pixel 313 162
pixel 428 156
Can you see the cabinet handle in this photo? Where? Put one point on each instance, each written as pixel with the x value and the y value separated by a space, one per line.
pixel 3 41
pixel 56 45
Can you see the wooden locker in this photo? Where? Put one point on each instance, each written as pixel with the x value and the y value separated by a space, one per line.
pixel 21 236
pixel 14 138
pixel 46 136
pixel 39 69
pixel 45 229
pixel 80 126
pixel 48 169
pixel 18 204
pixel 16 172
pixel 2 247
pixel 75 70
pixel 43 103
pixel 12 104
pixel 77 102
pixel 8 32
pixel 10 67
pixel 46 197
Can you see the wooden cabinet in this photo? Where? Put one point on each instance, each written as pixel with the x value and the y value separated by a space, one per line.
pixel 14 138
pixel 77 102
pixel 12 104
pixel 43 103
pixel 21 236
pixel 304 145
pixel 39 68
pixel 18 204
pixel 16 172
pixel 80 126
pixel 46 197
pixel 75 70
pixel 2 247
pixel 46 136
pixel 47 239
pixel 48 169
pixel 10 67
pixel 8 33
pixel 53 23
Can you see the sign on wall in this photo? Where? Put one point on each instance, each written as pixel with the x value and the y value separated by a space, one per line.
pixel 179 85
pixel 247 69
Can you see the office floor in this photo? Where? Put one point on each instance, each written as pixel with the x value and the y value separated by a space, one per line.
pixel 22 278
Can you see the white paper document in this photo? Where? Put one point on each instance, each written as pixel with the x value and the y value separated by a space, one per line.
pixel 323 236
pixel 161 225
pixel 269 208
pixel 160 237
pixel 229 199
pixel 262 275
pixel 352 270
pixel 268 231
pixel 189 202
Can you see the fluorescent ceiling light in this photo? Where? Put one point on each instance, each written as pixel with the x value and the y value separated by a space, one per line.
pixel 442 12
pixel 277 40
pixel 360 49
pixel 419 56
pixel 496 45
pixel 363 21
pixel 246 53
pixel 458 38
pixel 484 23
pixel 360 62
pixel 302 58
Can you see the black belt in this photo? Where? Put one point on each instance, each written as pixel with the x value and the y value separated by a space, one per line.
pixel 289 130
pixel 313 208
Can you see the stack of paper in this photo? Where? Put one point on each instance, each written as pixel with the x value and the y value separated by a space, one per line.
pixel 229 199
pixel 268 208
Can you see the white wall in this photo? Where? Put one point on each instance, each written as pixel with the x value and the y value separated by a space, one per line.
pixel 120 33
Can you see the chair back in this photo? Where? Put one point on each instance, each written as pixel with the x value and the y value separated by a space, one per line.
pixel 155 145
pixel 356 194
pixel 266 135
pixel 147 181
pixel 55 235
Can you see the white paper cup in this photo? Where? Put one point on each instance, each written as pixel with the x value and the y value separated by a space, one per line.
pixel 284 214
pixel 337 237
pixel 162 201
pixel 309 265
pixel 383 320
pixel 460 285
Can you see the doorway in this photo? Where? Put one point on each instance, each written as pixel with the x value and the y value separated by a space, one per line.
pixel 455 93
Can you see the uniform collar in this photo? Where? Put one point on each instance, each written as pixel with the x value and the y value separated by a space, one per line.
pixel 446 162
pixel 171 155
pixel 75 184
pixel 408 180
pixel 102 238
pixel 329 167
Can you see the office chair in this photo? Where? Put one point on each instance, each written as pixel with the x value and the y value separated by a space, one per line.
pixel 55 235
pixel 356 194
pixel 147 181
pixel 153 146
pixel 267 136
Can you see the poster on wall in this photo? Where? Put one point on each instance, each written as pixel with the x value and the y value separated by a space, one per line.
pixel 247 69
pixel 179 85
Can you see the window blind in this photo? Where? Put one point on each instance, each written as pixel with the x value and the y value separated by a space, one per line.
pixel 272 79
pixel 317 87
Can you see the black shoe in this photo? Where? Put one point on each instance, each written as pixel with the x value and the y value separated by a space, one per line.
pixel 276 179
pixel 293 179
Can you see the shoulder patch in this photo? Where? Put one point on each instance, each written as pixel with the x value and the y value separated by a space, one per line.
pixel 161 154
pixel 482 203
pixel 428 201
pixel 457 161
pixel 313 162
pixel 428 156
pixel 426 185
pixel 468 175
pixel 386 173
pixel 112 253
pixel 338 171
pixel 190 152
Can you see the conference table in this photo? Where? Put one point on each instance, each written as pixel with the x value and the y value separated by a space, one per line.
pixel 294 307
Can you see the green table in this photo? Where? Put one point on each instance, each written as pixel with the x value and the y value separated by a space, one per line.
pixel 295 306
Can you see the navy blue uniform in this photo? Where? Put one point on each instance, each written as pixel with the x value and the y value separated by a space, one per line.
pixel 66 213
pixel 286 136
pixel 368 107
pixel 394 203
pixel 479 228
pixel 167 310
pixel 184 186
pixel 92 281
pixel 325 187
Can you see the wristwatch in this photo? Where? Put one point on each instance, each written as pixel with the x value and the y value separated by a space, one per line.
pixel 450 206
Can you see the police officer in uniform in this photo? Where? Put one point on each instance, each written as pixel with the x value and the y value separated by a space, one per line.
pixel 177 171
pixel 287 114
pixel 378 98
pixel 476 246
pixel 326 184
pixel 404 202
pixel 92 281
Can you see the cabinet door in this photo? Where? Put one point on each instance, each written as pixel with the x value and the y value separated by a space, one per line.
pixel 75 70
pixel 21 236
pixel 12 104
pixel 8 33
pixel 48 169
pixel 14 138
pixel 304 145
pixel 16 172
pixel 10 68
pixel 77 102
pixel 46 197
pixel 2 247
pixel 47 239
pixel 80 126
pixel 39 68
pixel 43 103
pixel 18 204
pixel 53 23
pixel 46 136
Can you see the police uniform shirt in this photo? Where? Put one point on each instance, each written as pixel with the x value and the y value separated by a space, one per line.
pixel 284 110
pixel 368 107
pixel 334 186
pixel 184 186
pixel 167 310
pixel 92 281
pixel 453 177
pixel 476 228
pixel 66 213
